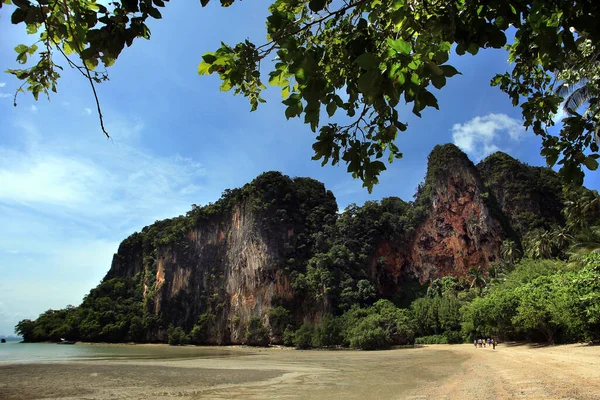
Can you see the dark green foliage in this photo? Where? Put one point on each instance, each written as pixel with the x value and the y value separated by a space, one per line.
pixel 531 197
pixel 112 312
pixel 288 336
pixel 329 332
pixel 369 334
pixel 49 326
pixel 256 333
pixel 303 337
pixel 200 333
pixel 177 336
pixel 432 339
pixel 279 319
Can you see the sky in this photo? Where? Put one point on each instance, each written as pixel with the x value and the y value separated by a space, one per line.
pixel 68 196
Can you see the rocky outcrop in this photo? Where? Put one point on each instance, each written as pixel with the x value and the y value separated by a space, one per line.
pixel 280 242
pixel 530 197
pixel 459 227
pixel 228 261
pixel 462 230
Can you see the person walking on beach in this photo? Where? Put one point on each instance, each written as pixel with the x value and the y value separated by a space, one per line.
pixel 475 343
pixel 488 342
pixel 494 344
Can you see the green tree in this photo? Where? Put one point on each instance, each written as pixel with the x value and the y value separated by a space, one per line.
pixel 510 251
pixel 303 337
pixel 477 277
pixel 545 305
pixel 201 331
pixel 328 333
pixel 176 336
pixel 256 333
pixel 25 329
pixel 357 59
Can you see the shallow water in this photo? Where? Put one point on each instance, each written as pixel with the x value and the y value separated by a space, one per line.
pixel 15 352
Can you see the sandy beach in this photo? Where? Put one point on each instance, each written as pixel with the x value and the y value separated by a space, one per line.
pixel 428 372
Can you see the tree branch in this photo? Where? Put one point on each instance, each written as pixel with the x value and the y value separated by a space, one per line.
pixel 318 21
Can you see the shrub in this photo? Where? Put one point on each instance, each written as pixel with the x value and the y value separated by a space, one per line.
pixel 328 333
pixel 303 337
pixel 454 337
pixel 369 335
pixel 288 336
pixel 177 336
pixel 433 339
pixel 256 333
pixel 279 318
pixel 200 331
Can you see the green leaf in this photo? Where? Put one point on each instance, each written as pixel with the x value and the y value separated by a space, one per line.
pixel 209 58
pixel 22 3
pixel 204 2
pixel 285 92
pixel 434 68
pixel 591 163
pixel 154 13
pixel 300 75
pixel 203 68
pixel 399 45
pixel 331 108
pixel 473 48
pixel 367 82
pixel 22 58
pixel 293 110
pixel 368 61
pixel 438 81
pixel 276 79
pixel 449 71
pixel 316 5
pixel 21 48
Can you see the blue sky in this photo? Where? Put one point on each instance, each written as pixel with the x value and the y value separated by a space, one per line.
pixel 68 196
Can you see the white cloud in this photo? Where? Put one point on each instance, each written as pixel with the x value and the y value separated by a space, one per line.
pixel 2 84
pixel 5 95
pixel 87 111
pixel 34 108
pixel 114 180
pixel 481 136
pixel 66 201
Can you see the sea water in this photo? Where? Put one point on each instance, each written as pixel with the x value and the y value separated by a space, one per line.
pixel 17 352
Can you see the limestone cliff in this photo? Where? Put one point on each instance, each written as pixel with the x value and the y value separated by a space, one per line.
pixel 460 226
pixel 228 259
pixel 531 197
pixel 279 243
pixel 462 229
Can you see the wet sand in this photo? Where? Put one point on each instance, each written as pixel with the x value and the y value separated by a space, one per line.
pixel 429 372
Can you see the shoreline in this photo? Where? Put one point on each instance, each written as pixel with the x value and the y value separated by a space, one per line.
pixel 427 372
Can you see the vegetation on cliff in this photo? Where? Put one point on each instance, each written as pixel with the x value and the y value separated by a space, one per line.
pixel 349 275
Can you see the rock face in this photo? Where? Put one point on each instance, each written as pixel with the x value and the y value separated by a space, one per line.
pixel 229 262
pixel 255 248
pixel 461 230
pixel 530 197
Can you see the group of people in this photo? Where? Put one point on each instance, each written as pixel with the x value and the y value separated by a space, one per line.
pixel 482 343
